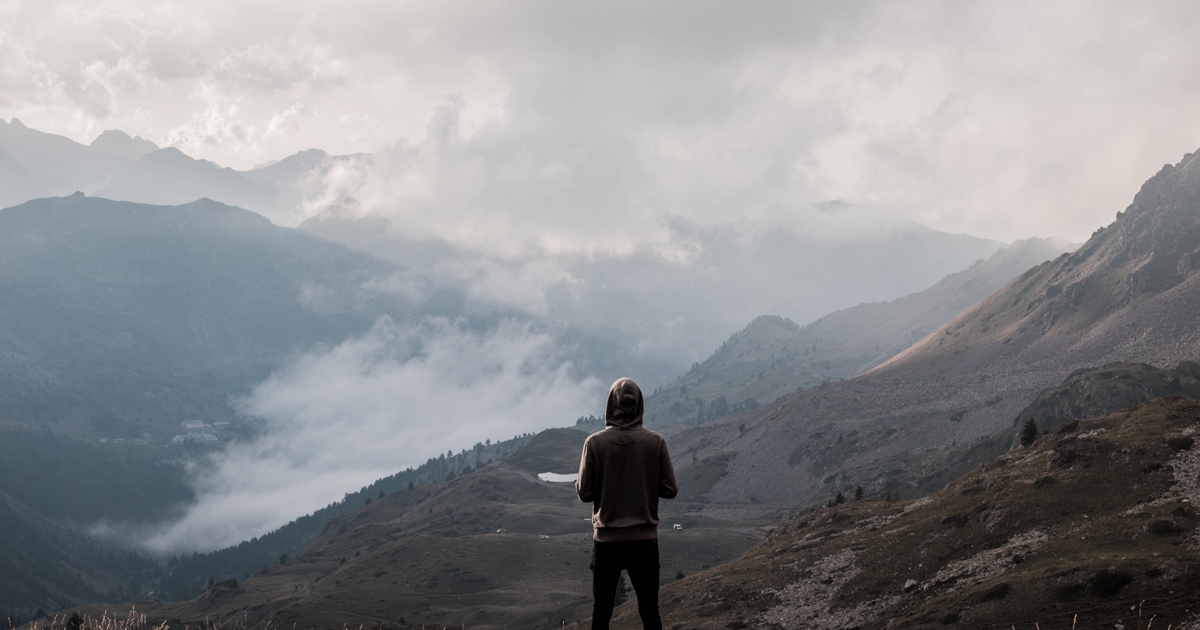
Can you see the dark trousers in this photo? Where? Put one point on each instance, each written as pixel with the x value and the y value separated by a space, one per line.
pixel 640 559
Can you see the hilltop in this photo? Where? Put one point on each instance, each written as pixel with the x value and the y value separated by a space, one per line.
pixel 1097 520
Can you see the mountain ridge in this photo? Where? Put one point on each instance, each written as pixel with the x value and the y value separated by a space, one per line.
pixel 745 369
pixel 912 425
pixel 107 300
pixel 1146 251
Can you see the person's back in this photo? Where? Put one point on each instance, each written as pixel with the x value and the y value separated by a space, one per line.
pixel 623 472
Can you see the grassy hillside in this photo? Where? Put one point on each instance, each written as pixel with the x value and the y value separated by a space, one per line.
pixel 1098 520
pixel 435 553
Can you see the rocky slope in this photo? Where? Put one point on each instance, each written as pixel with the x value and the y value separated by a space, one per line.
pixel 773 356
pixel 951 401
pixel 1146 253
pixel 1096 392
pixel 1095 526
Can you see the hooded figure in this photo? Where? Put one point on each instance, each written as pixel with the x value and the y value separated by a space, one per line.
pixel 624 471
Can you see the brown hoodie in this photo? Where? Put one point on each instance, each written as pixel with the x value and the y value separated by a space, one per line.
pixel 624 470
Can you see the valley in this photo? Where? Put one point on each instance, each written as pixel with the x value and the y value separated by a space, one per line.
pixel 802 452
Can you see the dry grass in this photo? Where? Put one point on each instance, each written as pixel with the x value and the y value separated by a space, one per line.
pixel 1115 532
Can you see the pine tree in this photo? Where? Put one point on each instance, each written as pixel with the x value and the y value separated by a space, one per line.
pixel 1029 433
pixel 622 591
pixel 858 493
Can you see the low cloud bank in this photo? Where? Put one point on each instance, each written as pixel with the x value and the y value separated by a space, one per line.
pixel 373 405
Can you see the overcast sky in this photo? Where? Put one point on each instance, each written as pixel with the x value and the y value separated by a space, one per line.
pixel 1002 120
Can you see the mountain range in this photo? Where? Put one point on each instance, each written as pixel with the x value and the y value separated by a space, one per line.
pixel 955 398
pixel 660 312
pixel 119 319
pixel 774 356
pixel 667 314
pixel 35 164
pixel 108 301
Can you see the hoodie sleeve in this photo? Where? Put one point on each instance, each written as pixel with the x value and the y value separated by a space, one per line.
pixel 667 488
pixel 585 483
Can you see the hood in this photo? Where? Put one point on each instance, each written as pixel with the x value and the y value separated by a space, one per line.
pixel 625 406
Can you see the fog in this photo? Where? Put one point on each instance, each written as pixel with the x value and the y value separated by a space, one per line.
pixel 341 418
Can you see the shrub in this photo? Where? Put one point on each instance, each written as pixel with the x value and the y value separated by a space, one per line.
pixel 1108 583
pixel 950 618
pixel 1045 481
pixel 956 520
pixel 1181 443
pixel 1164 528
pixel 998 591
pixel 1069 592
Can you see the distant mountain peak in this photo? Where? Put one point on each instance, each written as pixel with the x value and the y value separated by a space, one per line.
pixel 117 142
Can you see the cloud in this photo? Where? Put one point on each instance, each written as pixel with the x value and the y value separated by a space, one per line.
pixel 586 121
pixel 373 405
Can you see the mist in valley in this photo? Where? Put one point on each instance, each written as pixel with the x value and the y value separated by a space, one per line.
pixel 344 241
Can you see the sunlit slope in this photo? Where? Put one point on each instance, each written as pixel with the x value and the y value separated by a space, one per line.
pixel 1098 520
pixel 773 356
pixel 1149 251
pixel 435 553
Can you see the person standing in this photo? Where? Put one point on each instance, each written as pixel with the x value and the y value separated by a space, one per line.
pixel 623 472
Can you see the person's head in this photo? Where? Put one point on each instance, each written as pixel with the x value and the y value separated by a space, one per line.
pixel 625 405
